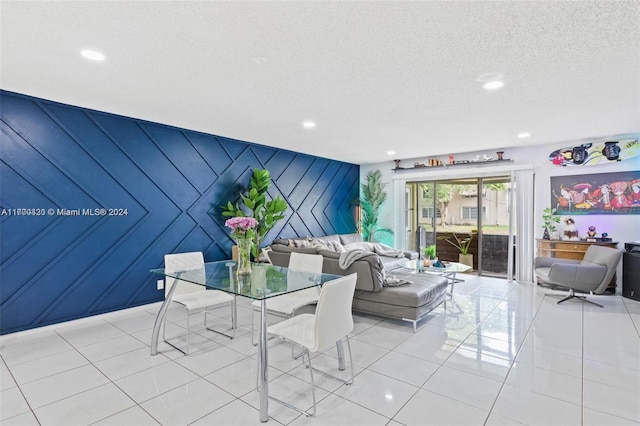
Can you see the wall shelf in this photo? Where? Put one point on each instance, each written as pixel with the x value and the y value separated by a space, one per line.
pixel 456 164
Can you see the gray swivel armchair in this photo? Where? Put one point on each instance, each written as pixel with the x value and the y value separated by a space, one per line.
pixel 591 274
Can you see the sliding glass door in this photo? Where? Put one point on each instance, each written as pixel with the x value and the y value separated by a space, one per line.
pixel 494 243
pixel 446 211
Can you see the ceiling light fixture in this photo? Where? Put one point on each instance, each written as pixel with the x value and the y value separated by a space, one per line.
pixel 309 124
pixel 92 55
pixel 493 85
pixel 523 135
pixel 391 153
pixel 491 80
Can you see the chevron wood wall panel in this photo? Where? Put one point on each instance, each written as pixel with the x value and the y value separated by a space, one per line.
pixel 58 262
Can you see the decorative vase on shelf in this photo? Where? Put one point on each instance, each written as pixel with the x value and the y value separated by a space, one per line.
pixel 244 256
pixel 546 235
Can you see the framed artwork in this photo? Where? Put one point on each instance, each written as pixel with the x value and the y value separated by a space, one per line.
pixel 601 193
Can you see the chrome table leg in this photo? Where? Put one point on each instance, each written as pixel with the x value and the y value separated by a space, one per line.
pixel 162 313
pixel 264 364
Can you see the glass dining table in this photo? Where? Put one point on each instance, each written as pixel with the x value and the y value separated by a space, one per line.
pixel 265 281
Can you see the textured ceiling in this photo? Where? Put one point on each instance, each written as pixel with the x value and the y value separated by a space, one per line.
pixel 375 76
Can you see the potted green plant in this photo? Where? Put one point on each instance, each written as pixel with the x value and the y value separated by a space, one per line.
pixel 463 245
pixel 373 195
pixel 430 255
pixel 550 219
pixel 266 212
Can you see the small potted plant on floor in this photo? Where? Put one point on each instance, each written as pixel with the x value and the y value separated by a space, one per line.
pixel 463 245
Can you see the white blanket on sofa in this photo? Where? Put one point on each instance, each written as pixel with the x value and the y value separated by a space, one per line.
pixel 387 251
pixel 377 248
pixel 348 257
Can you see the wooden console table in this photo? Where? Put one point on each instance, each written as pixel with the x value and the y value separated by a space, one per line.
pixel 573 250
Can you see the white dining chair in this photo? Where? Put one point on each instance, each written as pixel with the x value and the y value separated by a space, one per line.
pixel 193 297
pixel 286 305
pixel 331 323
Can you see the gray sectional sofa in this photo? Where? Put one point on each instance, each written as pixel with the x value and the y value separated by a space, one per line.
pixel 377 290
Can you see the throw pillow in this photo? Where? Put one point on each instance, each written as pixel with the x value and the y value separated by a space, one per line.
pixel 302 243
pixel 319 244
pixel 322 244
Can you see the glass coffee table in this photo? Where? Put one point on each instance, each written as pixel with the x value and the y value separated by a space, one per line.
pixel 449 271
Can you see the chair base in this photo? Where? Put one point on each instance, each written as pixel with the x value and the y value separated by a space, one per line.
pixel 313 385
pixel 186 351
pixel 188 331
pixel 572 295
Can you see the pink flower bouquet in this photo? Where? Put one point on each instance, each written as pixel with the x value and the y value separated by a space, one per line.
pixel 242 227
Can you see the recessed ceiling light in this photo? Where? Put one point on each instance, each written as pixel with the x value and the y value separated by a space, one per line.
pixel 523 135
pixel 309 124
pixel 92 55
pixel 493 85
pixel 391 153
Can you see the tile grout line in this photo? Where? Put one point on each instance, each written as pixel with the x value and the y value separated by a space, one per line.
pixel 514 360
pixel 109 381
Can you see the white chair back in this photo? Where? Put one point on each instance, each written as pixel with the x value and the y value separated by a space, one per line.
pixel 303 262
pixel 334 320
pixel 192 261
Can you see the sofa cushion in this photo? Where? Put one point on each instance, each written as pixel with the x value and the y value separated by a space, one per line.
pixel 287 249
pixel 369 270
pixel 409 254
pixel 323 244
pixel 329 254
pixel 333 238
pixel 391 263
pixel 350 238
pixel 408 302
pixel 423 288
pixel 300 242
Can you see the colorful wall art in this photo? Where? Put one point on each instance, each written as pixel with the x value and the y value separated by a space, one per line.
pixel 602 193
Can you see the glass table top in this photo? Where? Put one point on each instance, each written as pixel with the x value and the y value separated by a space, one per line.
pixel 265 281
pixel 449 267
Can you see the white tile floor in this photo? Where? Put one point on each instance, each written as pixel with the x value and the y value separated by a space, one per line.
pixel 505 355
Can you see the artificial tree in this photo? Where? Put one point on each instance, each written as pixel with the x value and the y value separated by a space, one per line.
pixel 373 195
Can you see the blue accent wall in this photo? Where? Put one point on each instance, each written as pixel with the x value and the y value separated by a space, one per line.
pixel 172 182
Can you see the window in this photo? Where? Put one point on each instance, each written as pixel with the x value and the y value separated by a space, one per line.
pixel 472 212
pixel 469 213
pixel 427 212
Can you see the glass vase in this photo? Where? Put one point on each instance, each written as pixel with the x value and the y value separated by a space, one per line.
pixel 244 256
